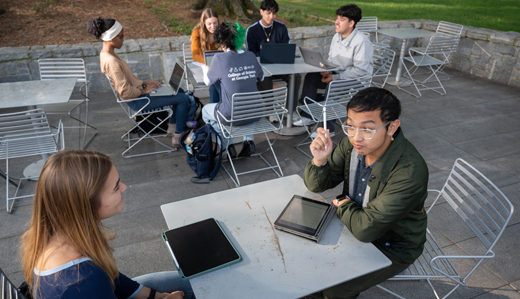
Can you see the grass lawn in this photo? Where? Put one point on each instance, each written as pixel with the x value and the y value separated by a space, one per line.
pixel 497 14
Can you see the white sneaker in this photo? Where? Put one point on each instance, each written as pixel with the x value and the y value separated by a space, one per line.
pixel 303 121
pixel 315 134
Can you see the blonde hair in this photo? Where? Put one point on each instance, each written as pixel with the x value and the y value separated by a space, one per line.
pixel 66 201
pixel 204 33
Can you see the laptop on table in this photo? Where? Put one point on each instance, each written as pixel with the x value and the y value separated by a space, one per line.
pixel 172 88
pixel 208 56
pixel 277 53
pixel 314 58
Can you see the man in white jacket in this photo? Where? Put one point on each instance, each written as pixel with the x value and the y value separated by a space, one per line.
pixel 350 49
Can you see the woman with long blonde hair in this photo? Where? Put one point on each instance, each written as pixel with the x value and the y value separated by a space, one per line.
pixel 66 252
pixel 202 40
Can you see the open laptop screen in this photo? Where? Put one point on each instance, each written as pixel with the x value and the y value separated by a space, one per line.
pixel 208 56
pixel 176 77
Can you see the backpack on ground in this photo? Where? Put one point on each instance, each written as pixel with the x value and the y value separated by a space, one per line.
pixel 195 109
pixel 201 153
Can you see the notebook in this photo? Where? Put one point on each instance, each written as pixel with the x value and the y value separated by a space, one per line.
pixel 314 58
pixel 173 85
pixel 277 53
pixel 208 56
pixel 200 248
pixel 305 217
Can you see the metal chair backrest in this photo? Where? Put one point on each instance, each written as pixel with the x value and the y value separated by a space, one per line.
pixel 479 202
pixel 62 68
pixel 251 105
pixel 21 134
pixel 448 28
pixel 186 53
pixel 383 60
pixel 442 45
pixel 7 289
pixel 113 90
pixel 341 91
pixel 367 24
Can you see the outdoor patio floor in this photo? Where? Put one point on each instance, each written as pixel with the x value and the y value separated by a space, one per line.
pixel 478 120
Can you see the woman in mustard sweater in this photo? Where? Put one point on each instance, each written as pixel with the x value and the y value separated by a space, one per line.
pixel 202 40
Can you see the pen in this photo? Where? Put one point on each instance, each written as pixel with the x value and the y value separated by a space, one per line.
pixel 325 122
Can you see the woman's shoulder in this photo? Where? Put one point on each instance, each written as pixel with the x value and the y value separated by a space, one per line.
pixel 77 279
pixel 195 32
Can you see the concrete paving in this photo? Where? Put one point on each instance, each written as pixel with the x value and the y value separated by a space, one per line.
pixel 477 120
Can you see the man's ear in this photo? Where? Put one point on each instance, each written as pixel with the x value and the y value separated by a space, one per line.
pixel 392 128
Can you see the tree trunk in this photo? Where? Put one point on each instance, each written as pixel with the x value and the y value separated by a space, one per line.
pixel 242 10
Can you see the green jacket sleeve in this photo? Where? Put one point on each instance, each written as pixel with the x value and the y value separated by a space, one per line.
pixel 402 192
pixel 322 178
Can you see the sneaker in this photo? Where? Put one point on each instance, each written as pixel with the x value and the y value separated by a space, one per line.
pixel 303 121
pixel 315 134
pixel 248 148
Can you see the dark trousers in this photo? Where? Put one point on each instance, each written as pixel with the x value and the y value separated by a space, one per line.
pixel 311 85
pixel 352 288
pixel 268 83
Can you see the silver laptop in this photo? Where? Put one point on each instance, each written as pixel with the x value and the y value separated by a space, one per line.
pixel 173 85
pixel 208 56
pixel 314 58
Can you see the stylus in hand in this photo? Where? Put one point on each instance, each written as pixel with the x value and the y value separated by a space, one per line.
pixel 325 123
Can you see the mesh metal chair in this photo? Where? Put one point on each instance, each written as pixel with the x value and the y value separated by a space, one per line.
pixel 7 289
pixel 188 58
pixel 383 60
pixel 69 68
pixel 445 28
pixel 369 25
pixel 485 210
pixel 145 114
pixel 437 54
pixel 25 134
pixel 254 105
pixel 337 96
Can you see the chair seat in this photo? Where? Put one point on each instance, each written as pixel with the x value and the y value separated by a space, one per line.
pixel 421 269
pixel 382 45
pixel 334 110
pixel 261 126
pixel 20 146
pixel 62 107
pixel 424 60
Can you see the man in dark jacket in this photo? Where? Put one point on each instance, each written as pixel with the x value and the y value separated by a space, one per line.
pixel 384 184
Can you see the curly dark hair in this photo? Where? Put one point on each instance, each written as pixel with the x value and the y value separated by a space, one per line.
pixel 351 11
pixel 224 35
pixel 96 26
pixel 374 98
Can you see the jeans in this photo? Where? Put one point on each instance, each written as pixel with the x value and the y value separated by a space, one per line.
pixel 214 93
pixel 311 85
pixel 179 102
pixel 166 282
pixel 208 115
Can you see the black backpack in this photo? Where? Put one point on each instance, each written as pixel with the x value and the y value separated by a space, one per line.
pixel 201 153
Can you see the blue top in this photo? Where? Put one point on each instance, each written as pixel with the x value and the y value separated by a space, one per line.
pixel 257 34
pixel 83 279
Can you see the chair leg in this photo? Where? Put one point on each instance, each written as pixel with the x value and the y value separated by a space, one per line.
pixel 304 141
pixel 234 176
pixel 402 85
pixel 85 125
pixel 131 145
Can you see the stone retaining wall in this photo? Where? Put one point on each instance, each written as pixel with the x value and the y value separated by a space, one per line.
pixel 486 53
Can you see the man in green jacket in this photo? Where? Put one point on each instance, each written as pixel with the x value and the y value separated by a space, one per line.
pixel 384 184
